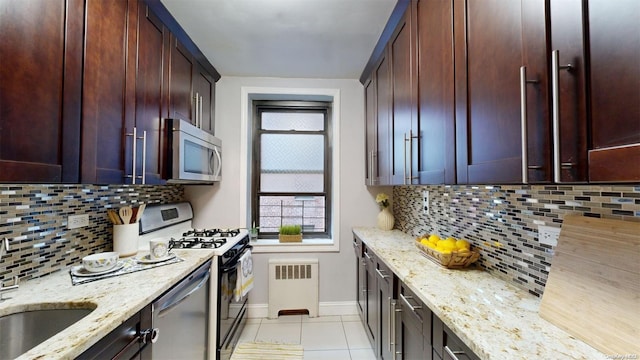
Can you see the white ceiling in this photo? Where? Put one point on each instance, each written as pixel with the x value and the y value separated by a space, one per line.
pixel 284 38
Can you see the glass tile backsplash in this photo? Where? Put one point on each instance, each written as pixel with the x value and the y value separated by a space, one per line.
pixel 502 221
pixel 34 218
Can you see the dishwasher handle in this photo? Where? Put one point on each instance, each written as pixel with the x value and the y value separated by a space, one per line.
pixel 166 307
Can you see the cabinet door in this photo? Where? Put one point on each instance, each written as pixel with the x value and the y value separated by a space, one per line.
pixel 107 92
pixel 409 337
pixel 360 278
pixel 385 279
pixel 403 72
pixel 371 309
pixel 371 132
pixel 436 123
pixel 181 75
pixel 491 45
pixel 614 152
pixel 40 77
pixel 205 87
pixel 383 125
pixel 153 40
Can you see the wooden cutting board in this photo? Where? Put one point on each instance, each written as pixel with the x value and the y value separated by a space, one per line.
pixel 593 289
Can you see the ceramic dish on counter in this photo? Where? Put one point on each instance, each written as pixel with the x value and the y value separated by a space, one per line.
pixel 100 262
pixel 80 270
pixel 148 260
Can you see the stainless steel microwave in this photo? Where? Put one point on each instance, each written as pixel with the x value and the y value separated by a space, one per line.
pixel 195 155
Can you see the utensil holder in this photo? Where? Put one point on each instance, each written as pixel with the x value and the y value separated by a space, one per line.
pixel 125 239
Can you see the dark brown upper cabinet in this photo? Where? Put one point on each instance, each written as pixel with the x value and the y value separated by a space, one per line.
pixel 493 40
pixel 151 105
pixel 191 88
pixel 402 54
pixel 40 82
pixel 85 99
pixel 109 89
pixel 436 100
pixel 595 56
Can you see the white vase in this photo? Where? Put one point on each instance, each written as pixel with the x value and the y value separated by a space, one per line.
pixel 385 219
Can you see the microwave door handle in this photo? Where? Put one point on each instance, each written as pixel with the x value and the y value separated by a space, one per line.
pixel 211 162
pixel 219 162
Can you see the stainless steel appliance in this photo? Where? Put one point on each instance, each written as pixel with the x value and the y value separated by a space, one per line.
pixel 227 314
pixel 181 316
pixel 195 155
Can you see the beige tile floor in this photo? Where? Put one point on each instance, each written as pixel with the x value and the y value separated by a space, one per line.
pixel 324 337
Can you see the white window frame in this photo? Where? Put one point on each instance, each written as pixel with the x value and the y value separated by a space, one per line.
pixel 248 95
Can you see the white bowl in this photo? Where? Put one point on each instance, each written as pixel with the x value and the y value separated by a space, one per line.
pixel 100 261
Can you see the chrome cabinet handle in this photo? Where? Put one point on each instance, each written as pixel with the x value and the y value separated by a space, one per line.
pixel 453 353
pixel 406 301
pixel 523 124
pixel 409 139
pixel 199 123
pixel 134 135
pixel 149 336
pixel 144 156
pixel 383 276
pixel 201 113
pixel 366 254
pixel 555 101
pixel 392 325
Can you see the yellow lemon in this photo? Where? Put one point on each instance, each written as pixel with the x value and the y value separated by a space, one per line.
pixel 463 244
pixel 446 251
pixel 424 242
pixel 434 237
pixel 463 250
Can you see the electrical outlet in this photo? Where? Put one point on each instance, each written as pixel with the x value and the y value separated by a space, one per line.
pixel 425 202
pixel 77 221
pixel 548 235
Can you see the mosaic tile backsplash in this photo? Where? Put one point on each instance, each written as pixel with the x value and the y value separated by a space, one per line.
pixel 502 221
pixel 34 218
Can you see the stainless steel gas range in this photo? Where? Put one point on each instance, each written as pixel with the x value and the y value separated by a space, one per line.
pixel 227 304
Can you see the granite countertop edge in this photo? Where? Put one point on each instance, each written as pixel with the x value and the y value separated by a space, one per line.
pixel 116 299
pixel 495 319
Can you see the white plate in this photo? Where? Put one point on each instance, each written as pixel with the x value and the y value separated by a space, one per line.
pixel 82 272
pixel 147 259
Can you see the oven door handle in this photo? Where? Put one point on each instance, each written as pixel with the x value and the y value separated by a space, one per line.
pixel 170 305
pixel 226 269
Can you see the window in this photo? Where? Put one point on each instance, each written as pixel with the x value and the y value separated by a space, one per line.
pixel 291 172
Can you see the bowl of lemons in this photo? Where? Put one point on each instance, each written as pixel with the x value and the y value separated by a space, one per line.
pixel 450 252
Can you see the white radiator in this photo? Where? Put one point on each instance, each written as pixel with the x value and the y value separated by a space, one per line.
pixel 293 285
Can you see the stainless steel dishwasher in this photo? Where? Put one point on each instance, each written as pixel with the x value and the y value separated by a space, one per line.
pixel 181 316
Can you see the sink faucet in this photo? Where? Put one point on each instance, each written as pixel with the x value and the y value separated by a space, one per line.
pixel 4 247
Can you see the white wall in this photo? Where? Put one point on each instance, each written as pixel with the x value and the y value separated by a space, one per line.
pixel 219 205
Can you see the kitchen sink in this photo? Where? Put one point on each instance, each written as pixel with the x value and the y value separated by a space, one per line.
pixel 23 330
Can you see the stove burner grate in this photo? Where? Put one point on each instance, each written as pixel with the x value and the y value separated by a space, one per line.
pixel 212 233
pixel 197 243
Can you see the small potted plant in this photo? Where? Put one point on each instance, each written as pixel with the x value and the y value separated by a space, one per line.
pixel 253 232
pixel 290 233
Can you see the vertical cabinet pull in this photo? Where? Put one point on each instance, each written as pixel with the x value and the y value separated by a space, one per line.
pixel 134 153
pixel 555 100
pixel 523 124
pixel 144 156
pixel 409 139
pixel 392 326
pixel 134 135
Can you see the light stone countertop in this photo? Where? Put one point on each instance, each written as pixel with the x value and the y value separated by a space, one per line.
pixel 115 299
pixel 493 318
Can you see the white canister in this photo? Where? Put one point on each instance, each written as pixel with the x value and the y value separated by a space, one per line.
pixel 125 239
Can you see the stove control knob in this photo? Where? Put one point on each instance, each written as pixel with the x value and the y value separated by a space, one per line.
pixel 149 336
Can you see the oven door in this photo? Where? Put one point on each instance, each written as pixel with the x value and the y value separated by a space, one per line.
pixel 232 312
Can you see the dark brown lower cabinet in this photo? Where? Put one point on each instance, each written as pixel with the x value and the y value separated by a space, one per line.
pixel 125 341
pixel 448 346
pixel 384 345
pixel 413 327
pixel 371 308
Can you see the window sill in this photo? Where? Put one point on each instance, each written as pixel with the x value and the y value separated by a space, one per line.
pixel 307 245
